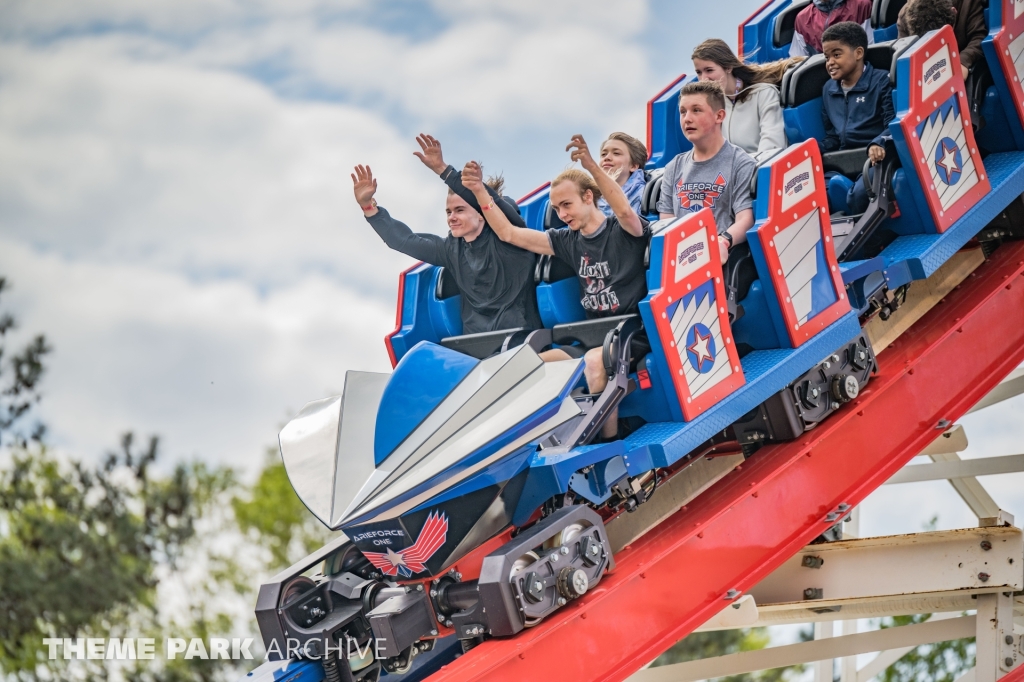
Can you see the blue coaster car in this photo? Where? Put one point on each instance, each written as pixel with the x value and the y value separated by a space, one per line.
pixel 471 493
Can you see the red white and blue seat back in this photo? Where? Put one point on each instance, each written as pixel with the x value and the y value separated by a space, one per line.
pixel 791 243
pixel 933 132
pixel 686 316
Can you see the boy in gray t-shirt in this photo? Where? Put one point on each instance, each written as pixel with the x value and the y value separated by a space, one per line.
pixel 714 174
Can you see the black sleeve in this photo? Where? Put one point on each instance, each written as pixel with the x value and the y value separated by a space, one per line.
pixel 561 243
pixel 428 248
pixel 453 179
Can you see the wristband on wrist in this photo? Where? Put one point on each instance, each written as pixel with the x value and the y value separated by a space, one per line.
pixel 490 205
pixel 728 236
pixel 373 205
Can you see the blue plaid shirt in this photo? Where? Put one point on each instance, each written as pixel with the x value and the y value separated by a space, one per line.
pixel 634 191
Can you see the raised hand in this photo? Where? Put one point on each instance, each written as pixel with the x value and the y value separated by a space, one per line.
pixel 581 153
pixel 431 154
pixel 473 178
pixel 364 186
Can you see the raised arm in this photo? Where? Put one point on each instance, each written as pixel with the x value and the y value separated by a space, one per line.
pixel 523 237
pixel 428 248
pixel 431 156
pixel 610 189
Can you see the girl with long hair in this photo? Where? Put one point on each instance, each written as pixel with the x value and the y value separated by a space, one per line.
pixel 753 112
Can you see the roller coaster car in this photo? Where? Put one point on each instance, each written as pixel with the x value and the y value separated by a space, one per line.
pixel 473 494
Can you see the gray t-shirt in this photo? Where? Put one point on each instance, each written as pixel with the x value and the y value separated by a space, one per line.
pixel 722 183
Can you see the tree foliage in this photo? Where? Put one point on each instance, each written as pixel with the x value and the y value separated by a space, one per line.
pixel 273 515
pixel 939 662
pixel 19 383
pixel 79 544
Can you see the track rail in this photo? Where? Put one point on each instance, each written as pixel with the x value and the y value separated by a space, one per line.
pixel 676 577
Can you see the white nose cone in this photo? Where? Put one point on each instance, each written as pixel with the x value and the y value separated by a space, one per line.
pixel 327 448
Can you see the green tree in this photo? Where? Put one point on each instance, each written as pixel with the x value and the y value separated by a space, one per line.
pixel 271 514
pixel 939 662
pixel 19 383
pixel 79 545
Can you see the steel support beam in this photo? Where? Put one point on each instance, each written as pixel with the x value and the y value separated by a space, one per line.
pixel 818 650
pixel 953 440
pixel 824 669
pixel 959 468
pixel 940 563
pixel 1010 387
pixel 946 449
pixel 996 644
pixel 676 577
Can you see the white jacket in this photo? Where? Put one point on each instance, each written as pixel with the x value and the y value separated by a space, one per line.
pixel 755 125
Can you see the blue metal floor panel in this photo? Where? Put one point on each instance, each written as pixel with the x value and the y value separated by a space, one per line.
pixel 925 253
pixel 767 372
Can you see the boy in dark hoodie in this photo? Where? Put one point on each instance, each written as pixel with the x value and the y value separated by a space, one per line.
pixel 856 106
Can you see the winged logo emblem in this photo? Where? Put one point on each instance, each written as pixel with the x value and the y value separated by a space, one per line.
pixel 413 558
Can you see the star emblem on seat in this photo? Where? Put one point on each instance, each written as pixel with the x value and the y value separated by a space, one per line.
pixel 701 348
pixel 946 159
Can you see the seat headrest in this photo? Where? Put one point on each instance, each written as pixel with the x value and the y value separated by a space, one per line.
pixel 806 81
pixel 446 286
pixel 652 192
pixel 785 23
pixel 885 12
pixel 551 219
pixel 880 56
pixel 898 48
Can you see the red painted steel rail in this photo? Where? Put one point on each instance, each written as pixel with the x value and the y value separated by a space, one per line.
pixel 677 576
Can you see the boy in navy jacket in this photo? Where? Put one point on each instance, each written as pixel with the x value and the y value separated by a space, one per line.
pixel 856 104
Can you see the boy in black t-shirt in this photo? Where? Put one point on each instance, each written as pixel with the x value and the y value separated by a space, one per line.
pixel 495 279
pixel 606 253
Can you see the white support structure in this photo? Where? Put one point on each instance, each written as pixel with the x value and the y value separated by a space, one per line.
pixel 1009 387
pixel 996 644
pixel 818 650
pixel 959 468
pixel 944 573
pixel 935 566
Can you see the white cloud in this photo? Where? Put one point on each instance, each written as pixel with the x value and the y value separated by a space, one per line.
pixel 214 368
pixel 510 64
pixel 179 18
pixel 521 65
pixel 194 170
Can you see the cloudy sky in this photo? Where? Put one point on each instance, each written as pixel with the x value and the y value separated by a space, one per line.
pixel 175 206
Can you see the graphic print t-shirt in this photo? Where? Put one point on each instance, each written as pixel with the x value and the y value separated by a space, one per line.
pixel 722 183
pixel 609 265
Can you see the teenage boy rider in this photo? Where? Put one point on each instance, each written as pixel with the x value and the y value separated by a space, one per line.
pixel 714 174
pixel 495 279
pixel 606 252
